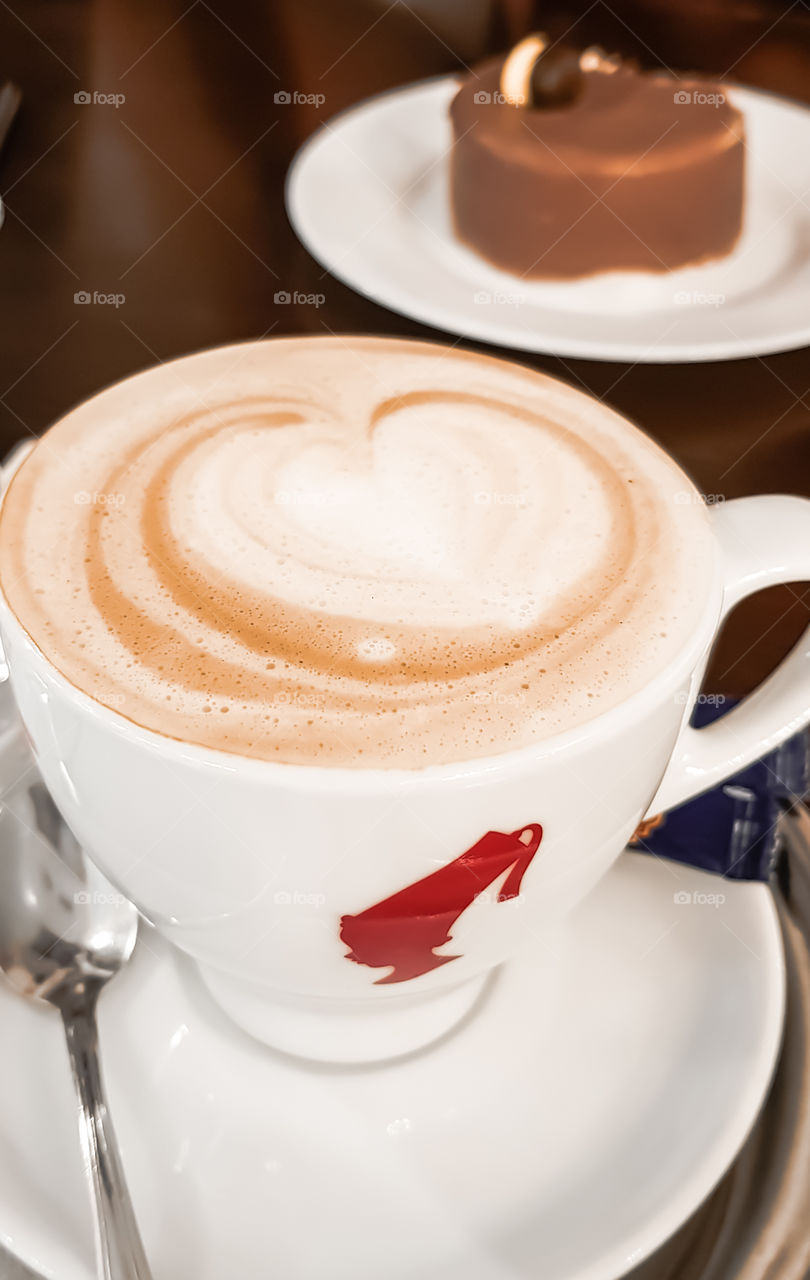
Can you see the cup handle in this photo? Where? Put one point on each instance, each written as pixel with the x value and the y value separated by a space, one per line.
pixel 764 541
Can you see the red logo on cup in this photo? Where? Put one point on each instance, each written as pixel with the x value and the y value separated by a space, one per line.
pixel 402 932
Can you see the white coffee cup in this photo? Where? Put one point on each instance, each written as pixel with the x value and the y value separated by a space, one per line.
pixel 297 888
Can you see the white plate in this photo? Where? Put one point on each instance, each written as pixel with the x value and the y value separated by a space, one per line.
pixel 368 197
pixel 562 1133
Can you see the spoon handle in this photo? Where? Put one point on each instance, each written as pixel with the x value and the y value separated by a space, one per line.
pixel 119 1250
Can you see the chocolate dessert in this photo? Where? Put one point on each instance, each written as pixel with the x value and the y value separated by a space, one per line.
pixel 567 164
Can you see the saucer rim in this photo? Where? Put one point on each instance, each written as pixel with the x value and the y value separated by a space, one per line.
pixel 676 1209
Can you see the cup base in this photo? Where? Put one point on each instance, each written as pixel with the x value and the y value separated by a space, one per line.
pixel 342 1031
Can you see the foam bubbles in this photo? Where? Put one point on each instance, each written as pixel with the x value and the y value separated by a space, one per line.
pixel 376 649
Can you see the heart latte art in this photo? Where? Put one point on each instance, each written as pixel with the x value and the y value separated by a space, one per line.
pixel 353 552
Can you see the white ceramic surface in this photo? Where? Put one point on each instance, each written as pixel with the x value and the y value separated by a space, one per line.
pixel 367 194
pixel 255 868
pixel 561 1135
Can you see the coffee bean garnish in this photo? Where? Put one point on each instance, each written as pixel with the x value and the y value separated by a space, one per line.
pixel 557 78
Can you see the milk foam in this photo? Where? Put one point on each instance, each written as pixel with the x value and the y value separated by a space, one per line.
pixel 360 552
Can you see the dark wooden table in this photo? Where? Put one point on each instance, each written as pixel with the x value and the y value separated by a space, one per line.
pixel 170 201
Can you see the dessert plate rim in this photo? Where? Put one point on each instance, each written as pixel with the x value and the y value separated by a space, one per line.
pixel 411 264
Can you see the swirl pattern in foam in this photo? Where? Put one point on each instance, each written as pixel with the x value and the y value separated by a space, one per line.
pixel 353 552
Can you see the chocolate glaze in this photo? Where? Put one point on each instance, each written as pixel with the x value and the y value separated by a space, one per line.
pixel 623 178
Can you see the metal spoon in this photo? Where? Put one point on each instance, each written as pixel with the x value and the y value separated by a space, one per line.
pixel 64 932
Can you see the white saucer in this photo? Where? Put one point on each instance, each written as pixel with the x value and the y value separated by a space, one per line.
pixel 368 197
pixel 563 1132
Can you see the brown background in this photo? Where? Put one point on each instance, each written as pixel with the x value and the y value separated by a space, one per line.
pixel 175 200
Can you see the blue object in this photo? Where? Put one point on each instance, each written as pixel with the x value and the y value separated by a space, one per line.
pixel 732 830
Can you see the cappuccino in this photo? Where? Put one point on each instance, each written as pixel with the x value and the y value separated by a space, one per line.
pixel 357 552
